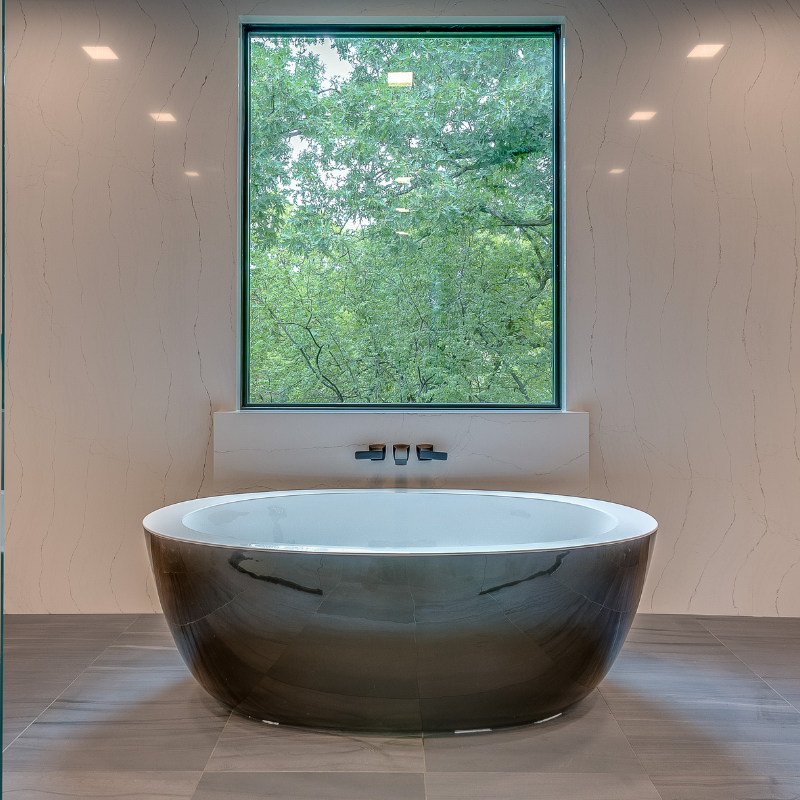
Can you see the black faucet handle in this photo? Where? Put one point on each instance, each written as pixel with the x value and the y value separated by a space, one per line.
pixel 376 452
pixel 425 452
pixel 401 454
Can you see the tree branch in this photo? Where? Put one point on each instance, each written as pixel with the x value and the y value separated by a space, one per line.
pixel 520 384
pixel 516 223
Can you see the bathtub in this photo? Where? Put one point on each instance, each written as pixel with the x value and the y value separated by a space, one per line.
pixel 399 610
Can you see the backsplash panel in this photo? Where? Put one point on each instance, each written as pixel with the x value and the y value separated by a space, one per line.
pixel 507 451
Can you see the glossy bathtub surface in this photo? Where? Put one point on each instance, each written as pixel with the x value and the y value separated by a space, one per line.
pixel 394 633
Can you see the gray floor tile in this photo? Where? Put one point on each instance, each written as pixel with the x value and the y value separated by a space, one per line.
pixel 779 725
pixel 17 716
pixel 100 785
pixel 149 623
pixel 105 688
pixel 711 658
pixel 771 657
pixel 769 627
pixel 665 647
pixel 686 636
pixel 65 626
pixel 247 745
pixel 181 743
pixel 35 687
pixel 663 757
pixel 140 652
pixel 146 647
pixel 788 688
pixel 585 739
pixel 39 646
pixel 747 706
pixel 719 788
pixel 709 679
pixel 162 638
pixel 537 786
pixel 123 720
pixel 44 654
pixel 668 627
pixel 52 652
pixel 675 620
pixel 310 786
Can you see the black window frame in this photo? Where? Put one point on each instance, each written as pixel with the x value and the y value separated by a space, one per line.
pixel 532 30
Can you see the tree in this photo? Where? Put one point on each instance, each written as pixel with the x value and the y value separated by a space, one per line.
pixel 437 288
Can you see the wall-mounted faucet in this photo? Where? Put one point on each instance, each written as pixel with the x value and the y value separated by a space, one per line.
pixel 376 452
pixel 425 452
pixel 400 452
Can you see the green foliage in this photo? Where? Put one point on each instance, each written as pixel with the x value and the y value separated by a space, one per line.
pixel 355 301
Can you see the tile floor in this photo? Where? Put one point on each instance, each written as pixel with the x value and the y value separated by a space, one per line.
pixel 695 708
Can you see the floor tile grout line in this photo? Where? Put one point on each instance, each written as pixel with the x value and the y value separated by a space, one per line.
pixel 216 744
pixel 214 748
pixel 133 622
pixel 767 681
pixel 82 672
pixel 763 680
pixel 197 785
pixel 644 769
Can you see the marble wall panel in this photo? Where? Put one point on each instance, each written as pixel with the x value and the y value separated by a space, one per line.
pixel 682 330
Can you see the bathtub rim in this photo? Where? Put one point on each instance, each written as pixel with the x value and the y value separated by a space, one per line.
pixel 167 523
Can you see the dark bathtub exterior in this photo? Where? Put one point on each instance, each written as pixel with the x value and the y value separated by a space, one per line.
pixel 399 642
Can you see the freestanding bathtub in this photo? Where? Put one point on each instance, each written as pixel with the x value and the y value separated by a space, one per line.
pixel 399 610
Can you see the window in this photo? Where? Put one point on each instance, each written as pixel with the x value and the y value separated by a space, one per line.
pixel 401 221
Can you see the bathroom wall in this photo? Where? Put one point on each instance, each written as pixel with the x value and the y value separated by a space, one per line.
pixel 681 291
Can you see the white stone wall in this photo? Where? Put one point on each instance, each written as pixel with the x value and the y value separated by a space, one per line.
pixel 681 288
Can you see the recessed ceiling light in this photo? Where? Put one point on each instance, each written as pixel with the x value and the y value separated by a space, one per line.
pixel 402 180
pixel 101 53
pixel 193 174
pixel 162 116
pixel 642 115
pixel 705 50
pixel 400 78
pixel 615 171
pixel 402 210
pixel 402 233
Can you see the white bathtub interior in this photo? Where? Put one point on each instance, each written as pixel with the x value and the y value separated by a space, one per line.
pixel 401 521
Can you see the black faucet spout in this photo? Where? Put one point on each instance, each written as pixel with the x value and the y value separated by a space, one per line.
pixel 401 454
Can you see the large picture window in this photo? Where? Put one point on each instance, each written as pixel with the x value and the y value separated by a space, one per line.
pixel 401 220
